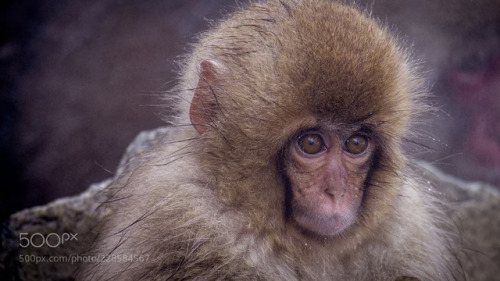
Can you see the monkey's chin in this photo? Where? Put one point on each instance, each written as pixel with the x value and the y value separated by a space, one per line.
pixel 327 226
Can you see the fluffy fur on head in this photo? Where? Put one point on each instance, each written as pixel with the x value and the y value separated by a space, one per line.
pixel 214 206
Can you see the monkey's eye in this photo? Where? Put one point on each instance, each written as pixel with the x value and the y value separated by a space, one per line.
pixel 311 144
pixel 356 144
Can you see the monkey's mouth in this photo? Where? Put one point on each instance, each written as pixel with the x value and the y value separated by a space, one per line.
pixel 320 224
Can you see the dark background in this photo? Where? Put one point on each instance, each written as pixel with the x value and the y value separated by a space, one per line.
pixel 79 79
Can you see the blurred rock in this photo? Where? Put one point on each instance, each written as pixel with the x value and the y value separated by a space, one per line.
pixel 62 219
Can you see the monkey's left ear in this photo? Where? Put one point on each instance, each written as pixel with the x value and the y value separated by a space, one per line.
pixel 204 101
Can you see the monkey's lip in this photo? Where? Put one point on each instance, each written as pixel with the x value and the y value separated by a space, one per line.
pixel 323 225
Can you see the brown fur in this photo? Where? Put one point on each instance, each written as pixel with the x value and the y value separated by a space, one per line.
pixel 214 206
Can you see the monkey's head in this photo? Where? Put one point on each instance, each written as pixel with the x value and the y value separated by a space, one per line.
pixel 301 115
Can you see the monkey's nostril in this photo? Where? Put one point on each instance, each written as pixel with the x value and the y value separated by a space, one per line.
pixel 330 192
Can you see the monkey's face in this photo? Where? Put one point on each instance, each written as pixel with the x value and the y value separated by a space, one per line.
pixel 326 105
pixel 326 169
